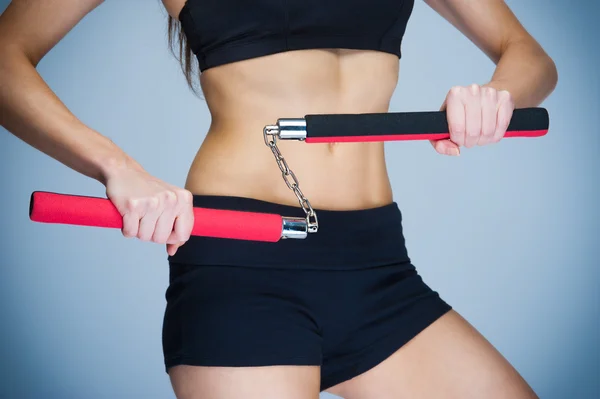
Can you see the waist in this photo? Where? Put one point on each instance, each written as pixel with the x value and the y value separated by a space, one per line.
pixel 347 239
pixel 236 162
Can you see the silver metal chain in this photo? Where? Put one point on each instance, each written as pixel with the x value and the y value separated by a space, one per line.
pixel 270 133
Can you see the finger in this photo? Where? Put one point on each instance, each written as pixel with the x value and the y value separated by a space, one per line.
pixel 472 116
pixel 504 115
pixel 184 222
pixel 164 223
pixel 182 229
pixel 455 113
pixel 164 227
pixel 131 224
pixel 489 112
pixel 446 147
pixel 148 222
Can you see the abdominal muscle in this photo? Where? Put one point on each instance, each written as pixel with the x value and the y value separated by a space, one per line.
pixel 245 96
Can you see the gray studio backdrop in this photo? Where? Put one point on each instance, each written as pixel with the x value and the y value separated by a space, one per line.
pixel 507 234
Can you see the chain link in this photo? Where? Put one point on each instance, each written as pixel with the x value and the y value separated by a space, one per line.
pixel 270 135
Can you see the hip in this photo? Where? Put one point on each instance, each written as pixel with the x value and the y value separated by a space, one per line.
pixel 346 239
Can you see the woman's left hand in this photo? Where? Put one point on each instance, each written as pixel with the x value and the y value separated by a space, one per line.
pixel 477 115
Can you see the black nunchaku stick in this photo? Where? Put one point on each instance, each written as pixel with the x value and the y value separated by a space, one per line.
pixel 394 126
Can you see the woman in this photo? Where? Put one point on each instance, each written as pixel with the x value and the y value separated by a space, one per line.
pixel 343 310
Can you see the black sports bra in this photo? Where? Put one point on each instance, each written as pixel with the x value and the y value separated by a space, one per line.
pixel 225 31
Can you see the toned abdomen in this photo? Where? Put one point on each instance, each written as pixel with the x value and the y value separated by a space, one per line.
pixel 244 97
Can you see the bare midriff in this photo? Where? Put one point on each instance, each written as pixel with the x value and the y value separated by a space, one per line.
pixel 243 97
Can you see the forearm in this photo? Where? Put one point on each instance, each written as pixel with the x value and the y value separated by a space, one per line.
pixel 527 72
pixel 31 111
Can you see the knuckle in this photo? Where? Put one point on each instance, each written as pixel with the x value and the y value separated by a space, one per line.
pixel 145 231
pixel 474 88
pixel 153 203
pixel 169 198
pixel 131 204
pixel 489 92
pixel 187 196
pixel 455 91
pixel 505 95
pixel 474 132
pixel 488 129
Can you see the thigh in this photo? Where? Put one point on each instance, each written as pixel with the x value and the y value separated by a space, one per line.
pixel 270 382
pixel 235 332
pixel 449 359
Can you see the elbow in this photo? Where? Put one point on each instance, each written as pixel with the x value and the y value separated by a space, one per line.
pixel 6 60
pixel 545 68
pixel 12 54
pixel 551 73
pixel 12 63
pixel 12 60
pixel 8 56
pixel 540 66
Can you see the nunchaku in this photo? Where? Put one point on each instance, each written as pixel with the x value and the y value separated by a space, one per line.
pixel 55 208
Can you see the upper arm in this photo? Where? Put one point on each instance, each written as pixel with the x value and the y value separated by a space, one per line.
pixel 489 24
pixel 35 26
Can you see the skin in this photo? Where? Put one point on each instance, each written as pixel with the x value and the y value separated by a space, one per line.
pixel 449 359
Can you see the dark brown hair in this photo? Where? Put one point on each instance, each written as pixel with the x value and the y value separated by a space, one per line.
pixel 180 48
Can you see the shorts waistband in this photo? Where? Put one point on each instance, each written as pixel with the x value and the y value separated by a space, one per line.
pixel 347 239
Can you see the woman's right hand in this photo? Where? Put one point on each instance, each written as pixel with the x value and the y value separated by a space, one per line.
pixel 152 210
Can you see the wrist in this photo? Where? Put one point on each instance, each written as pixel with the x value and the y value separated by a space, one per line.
pixel 114 163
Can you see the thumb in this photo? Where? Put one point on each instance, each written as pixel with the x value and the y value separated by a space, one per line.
pixel 446 147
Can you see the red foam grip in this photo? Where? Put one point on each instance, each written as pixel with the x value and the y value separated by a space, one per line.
pixel 407 137
pixel 78 210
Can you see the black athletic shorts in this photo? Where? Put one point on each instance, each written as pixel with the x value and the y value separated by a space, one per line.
pixel 344 298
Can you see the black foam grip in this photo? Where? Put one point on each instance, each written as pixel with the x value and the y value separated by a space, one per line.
pixel 393 123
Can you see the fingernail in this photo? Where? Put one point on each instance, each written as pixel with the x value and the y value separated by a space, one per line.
pixel 453 152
